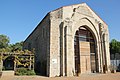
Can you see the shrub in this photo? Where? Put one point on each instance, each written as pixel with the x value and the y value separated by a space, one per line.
pixel 113 68
pixel 24 71
pixel 31 72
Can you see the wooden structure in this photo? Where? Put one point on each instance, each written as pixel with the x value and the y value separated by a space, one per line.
pixel 85 55
pixel 15 60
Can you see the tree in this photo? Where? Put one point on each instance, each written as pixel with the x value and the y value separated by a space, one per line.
pixel 16 46
pixel 114 46
pixel 4 41
pixel 6 47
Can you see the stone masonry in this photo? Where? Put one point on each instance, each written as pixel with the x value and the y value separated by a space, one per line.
pixel 53 41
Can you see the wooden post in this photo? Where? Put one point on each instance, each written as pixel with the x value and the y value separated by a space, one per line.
pixel 33 61
pixel 30 62
pixel 1 62
pixel 33 52
pixel 15 63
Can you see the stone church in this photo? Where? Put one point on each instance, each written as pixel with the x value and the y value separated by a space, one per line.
pixel 69 41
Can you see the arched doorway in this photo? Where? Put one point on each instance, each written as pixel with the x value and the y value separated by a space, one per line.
pixel 85 51
pixel 8 63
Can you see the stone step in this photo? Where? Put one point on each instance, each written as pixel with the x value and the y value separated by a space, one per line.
pixel 7 73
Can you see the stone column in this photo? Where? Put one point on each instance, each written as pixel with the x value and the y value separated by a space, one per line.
pixel 69 51
pixel 107 53
pixel 101 47
pixel 97 57
pixel 62 53
pixel 54 68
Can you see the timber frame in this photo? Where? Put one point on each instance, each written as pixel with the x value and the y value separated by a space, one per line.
pixel 20 59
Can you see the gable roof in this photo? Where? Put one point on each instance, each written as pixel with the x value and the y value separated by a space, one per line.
pixel 83 4
pixel 75 5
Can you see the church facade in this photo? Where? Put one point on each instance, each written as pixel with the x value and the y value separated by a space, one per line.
pixel 69 41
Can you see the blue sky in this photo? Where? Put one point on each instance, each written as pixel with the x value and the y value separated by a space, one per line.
pixel 18 18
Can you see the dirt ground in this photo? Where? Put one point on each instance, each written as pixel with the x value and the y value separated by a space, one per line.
pixel 108 76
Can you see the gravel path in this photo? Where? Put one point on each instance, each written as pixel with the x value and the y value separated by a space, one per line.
pixel 109 76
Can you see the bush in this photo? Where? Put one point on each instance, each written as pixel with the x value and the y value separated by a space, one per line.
pixel 24 71
pixel 31 72
pixel 113 68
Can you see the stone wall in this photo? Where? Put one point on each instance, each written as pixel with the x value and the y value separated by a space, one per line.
pixel 55 20
pixel 39 40
pixel 53 39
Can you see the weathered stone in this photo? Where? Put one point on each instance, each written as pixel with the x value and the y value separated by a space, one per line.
pixel 53 40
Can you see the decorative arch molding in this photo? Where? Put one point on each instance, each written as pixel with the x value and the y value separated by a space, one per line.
pixel 68 28
pixel 92 28
pixel 72 26
pixel 88 24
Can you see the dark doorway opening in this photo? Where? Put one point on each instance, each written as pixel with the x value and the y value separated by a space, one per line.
pixel 8 63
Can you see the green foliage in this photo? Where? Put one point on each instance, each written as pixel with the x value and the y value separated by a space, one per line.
pixel 16 46
pixel 114 46
pixel 6 47
pixel 24 71
pixel 4 41
pixel 24 59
